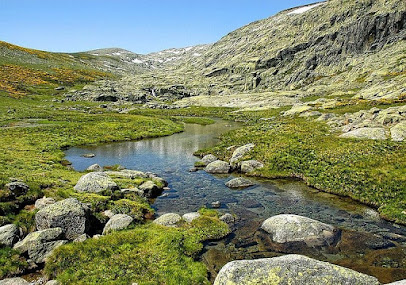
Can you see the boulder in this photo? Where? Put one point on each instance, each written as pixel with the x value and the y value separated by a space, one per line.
pixel 168 220
pixel 17 188
pixel 40 244
pixel 9 234
pixel 295 110
pixel 239 182
pixel 95 167
pixel 70 215
pixel 150 189
pixel 117 222
pixel 289 269
pixel 398 132
pixel 228 219
pixel 95 182
pixel 218 167
pixel 216 204
pixel 14 281
pixel 207 159
pixel 81 238
pixel 366 133
pixel 250 165
pixel 43 202
pixel 190 217
pixel 293 228
pixel 239 153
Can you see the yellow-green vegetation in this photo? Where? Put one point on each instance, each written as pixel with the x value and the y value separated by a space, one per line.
pixel 11 262
pixel 147 254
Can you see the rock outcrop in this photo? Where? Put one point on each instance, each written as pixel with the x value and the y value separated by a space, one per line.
pixel 289 269
pixel 70 215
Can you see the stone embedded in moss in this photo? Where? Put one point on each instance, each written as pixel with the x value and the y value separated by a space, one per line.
pixel 117 222
pixel 168 220
pixel 95 182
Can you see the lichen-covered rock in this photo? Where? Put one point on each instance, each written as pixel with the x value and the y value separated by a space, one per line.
pixel 239 182
pixel 40 244
pixel 14 281
pixel 239 153
pixel 207 159
pixel 150 189
pixel 294 228
pixel 81 238
pixel 250 165
pixel 95 167
pixel 168 220
pixel 9 234
pixel 297 110
pixel 95 182
pixel 366 133
pixel 189 217
pixel 43 202
pixel 70 215
pixel 117 222
pixel 228 219
pixel 127 173
pixel 398 132
pixel 289 270
pixel 18 188
pixel 218 167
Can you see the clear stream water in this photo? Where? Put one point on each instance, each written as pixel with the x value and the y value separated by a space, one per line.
pixel 171 157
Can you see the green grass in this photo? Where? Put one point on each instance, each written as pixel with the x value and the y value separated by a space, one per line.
pixel 11 263
pixel 147 254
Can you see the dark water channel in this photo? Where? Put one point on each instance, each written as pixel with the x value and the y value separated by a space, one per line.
pixel 368 243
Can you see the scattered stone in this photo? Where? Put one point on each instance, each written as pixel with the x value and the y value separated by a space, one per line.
pixel 150 189
pixel 293 228
pixel 218 167
pixel 97 236
pixel 193 169
pixel 88 155
pixel 189 217
pixel 250 166
pixel 40 244
pixel 60 88
pixel 117 222
pixel 17 188
pixel 95 182
pixel 95 167
pixel 239 153
pixel 14 281
pixel 228 219
pixel 216 204
pixel 70 215
pixel 239 182
pixel 297 110
pixel 398 132
pixel 366 133
pixel 168 220
pixel 9 234
pixel 207 159
pixel 81 238
pixel 43 202
pixel 289 269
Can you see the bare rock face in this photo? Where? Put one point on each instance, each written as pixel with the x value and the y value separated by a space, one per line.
pixel 289 269
pixel 70 215
pixel 294 228
pixel 218 167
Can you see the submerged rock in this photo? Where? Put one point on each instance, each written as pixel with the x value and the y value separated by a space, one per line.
pixel 293 228
pixel 218 167
pixel 95 182
pixel 239 182
pixel 117 222
pixel 70 215
pixel 289 269
pixel 168 220
pixel 228 219
pixel 9 234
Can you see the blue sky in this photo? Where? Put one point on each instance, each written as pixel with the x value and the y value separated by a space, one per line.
pixel 141 26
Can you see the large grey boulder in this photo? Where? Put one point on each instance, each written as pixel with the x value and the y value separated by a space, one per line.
pixel 9 234
pixel 207 159
pixel 289 270
pixel 250 165
pixel 239 182
pixel 70 215
pixel 43 202
pixel 40 244
pixel 366 133
pixel 293 228
pixel 117 222
pixel 398 132
pixel 17 188
pixel 168 220
pixel 218 167
pixel 239 153
pixel 95 182
pixel 14 281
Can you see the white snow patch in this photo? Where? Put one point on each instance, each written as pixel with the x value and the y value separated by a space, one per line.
pixel 96 54
pixel 136 60
pixel 116 53
pixel 197 54
pixel 304 9
pixel 188 48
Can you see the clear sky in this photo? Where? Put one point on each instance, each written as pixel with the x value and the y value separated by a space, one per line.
pixel 141 26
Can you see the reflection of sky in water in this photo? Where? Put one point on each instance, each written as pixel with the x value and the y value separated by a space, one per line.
pixel 171 157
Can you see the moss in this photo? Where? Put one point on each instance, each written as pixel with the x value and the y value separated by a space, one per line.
pixel 11 263
pixel 136 208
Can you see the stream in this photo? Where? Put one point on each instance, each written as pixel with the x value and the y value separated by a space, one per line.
pixel 368 243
